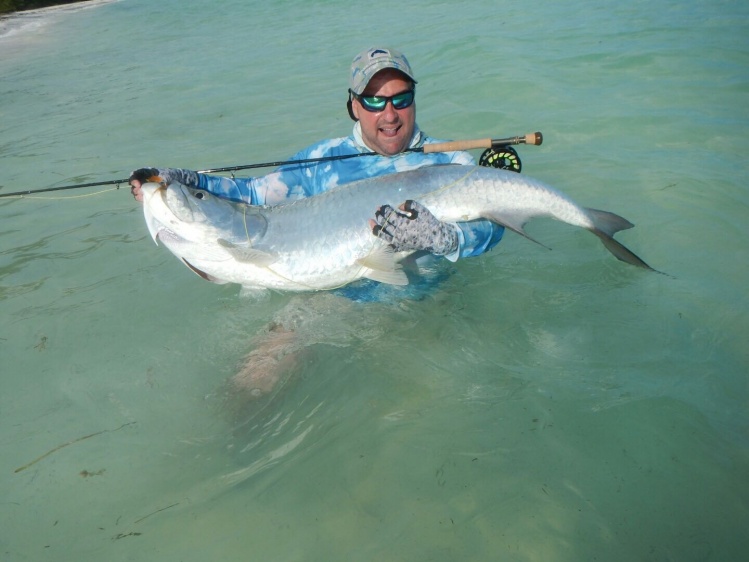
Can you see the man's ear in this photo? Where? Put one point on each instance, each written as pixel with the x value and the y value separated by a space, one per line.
pixel 352 112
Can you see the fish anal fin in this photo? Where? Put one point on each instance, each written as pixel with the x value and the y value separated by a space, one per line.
pixel 380 265
pixel 247 254
pixel 513 224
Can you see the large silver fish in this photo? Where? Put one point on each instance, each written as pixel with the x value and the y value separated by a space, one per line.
pixel 324 242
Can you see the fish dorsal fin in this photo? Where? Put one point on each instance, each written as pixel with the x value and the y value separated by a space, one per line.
pixel 513 224
pixel 381 266
pixel 246 254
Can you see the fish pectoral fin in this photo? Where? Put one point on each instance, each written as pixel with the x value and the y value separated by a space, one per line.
pixel 381 266
pixel 248 254
pixel 382 258
pixel 203 274
pixel 513 224
pixel 395 277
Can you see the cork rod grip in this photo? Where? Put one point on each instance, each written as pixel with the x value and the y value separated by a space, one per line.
pixel 531 138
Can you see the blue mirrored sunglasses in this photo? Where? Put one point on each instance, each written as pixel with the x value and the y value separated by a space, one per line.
pixel 378 103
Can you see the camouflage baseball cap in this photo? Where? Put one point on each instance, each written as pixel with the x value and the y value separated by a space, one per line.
pixel 368 63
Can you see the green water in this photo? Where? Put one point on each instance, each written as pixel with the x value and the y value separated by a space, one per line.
pixel 540 405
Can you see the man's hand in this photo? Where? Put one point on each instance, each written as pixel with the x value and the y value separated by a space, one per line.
pixel 413 227
pixel 160 175
pixel 139 177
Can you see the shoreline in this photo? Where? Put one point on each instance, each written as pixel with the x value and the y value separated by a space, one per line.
pixel 26 22
pixel 8 7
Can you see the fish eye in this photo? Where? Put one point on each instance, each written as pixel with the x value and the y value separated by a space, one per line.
pixel 199 195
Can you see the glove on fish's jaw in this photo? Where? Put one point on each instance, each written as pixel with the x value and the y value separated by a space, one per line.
pixel 165 176
pixel 413 227
pixel 146 175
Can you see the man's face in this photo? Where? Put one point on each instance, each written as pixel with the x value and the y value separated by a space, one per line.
pixel 388 131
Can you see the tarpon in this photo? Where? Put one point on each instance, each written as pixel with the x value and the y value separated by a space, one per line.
pixel 324 242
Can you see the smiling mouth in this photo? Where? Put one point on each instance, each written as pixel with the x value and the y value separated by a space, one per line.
pixel 390 131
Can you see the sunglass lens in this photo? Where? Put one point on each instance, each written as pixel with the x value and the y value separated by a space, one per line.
pixel 402 101
pixel 374 103
pixel 378 103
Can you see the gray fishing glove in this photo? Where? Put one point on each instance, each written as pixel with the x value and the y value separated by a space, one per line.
pixel 413 227
pixel 165 175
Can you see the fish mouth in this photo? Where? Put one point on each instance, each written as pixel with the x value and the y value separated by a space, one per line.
pixel 162 201
pixel 150 189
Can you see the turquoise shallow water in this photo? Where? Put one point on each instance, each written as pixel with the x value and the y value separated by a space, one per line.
pixel 538 406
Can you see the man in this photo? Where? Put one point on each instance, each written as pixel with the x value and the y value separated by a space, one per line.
pixel 381 102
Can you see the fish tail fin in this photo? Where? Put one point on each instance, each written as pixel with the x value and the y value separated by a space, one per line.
pixel 606 225
pixel 620 251
pixel 609 223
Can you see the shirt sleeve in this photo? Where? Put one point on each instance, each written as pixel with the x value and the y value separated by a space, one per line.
pixel 290 181
pixel 234 189
pixel 475 238
pixel 270 189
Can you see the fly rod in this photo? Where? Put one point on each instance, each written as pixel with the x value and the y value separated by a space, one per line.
pixel 531 138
